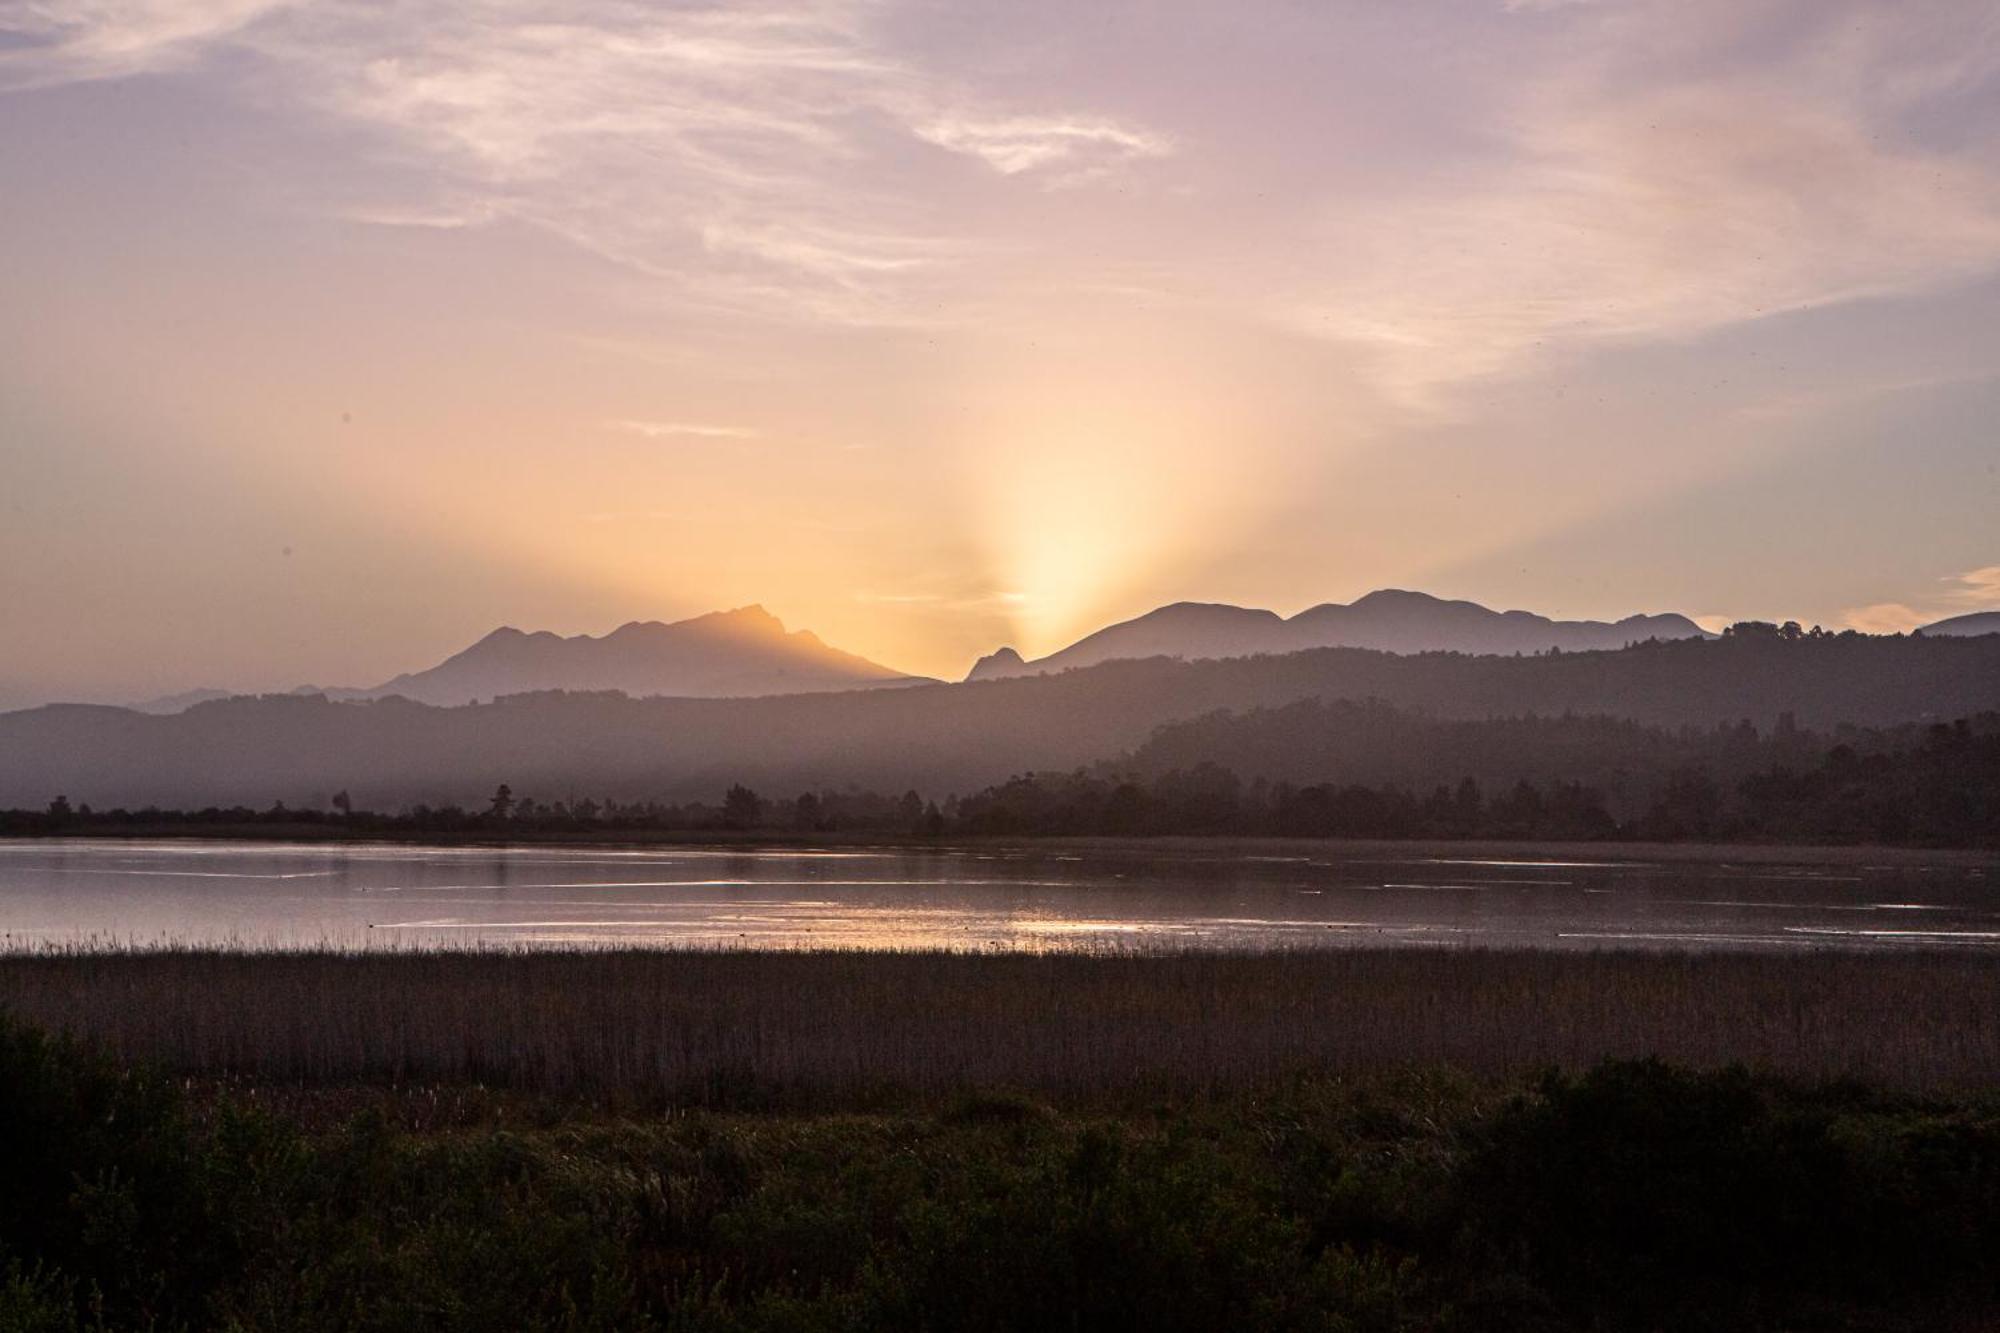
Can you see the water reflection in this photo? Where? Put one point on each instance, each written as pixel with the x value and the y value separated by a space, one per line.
pixel 391 896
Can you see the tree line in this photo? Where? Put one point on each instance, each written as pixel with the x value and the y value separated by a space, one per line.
pixel 1933 785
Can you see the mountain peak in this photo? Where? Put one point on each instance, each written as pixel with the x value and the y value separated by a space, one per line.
pixel 751 619
pixel 1395 596
pixel 999 663
pixel 743 651
pixel 1207 614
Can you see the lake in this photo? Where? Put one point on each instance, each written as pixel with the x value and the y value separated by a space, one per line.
pixel 113 893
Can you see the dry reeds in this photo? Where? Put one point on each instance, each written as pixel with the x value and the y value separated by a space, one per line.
pixel 801 1027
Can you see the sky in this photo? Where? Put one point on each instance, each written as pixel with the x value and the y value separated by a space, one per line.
pixel 334 335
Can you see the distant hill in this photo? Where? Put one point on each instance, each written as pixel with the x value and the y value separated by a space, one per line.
pixel 180 703
pixel 726 654
pixel 1390 620
pixel 1626 763
pixel 1979 622
pixel 936 738
pixel 1367 769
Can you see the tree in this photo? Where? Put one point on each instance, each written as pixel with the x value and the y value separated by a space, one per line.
pixel 503 802
pixel 1468 803
pixel 742 808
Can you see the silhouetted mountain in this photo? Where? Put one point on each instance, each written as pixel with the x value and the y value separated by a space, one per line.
pixel 935 738
pixel 997 664
pixel 1979 622
pixel 722 655
pixel 1390 620
pixel 726 654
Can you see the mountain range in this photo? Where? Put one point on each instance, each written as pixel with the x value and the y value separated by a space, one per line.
pixel 725 654
pixel 1390 620
pixel 748 652
pixel 940 738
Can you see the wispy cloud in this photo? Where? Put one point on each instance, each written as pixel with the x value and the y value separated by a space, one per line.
pixel 1641 199
pixel 743 152
pixel 603 516
pixel 662 430
pixel 1071 148
pixel 80 40
pixel 981 602
pixel 1617 173
pixel 1885 618
pixel 1962 594
pixel 441 217
pixel 1974 588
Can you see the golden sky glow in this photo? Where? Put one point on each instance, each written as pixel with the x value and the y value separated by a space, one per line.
pixel 332 336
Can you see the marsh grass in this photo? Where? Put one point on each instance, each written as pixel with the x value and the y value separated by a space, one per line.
pixel 314 1181
pixel 819 1029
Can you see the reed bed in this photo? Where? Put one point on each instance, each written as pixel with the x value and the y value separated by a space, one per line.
pixel 812 1028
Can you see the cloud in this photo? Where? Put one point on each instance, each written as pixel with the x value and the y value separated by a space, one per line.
pixel 742 153
pixel 1077 148
pixel 1973 590
pixel 984 603
pixel 441 217
pixel 635 515
pixel 660 430
pixel 1977 586
pixel 1886 618
pixel 1632 199
pixel 81 40
pixel 1624 173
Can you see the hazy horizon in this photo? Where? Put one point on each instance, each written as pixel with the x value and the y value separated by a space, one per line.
pixel 332 338
pixel 1448 638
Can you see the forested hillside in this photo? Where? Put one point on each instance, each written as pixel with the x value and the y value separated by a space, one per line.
pixel 938 739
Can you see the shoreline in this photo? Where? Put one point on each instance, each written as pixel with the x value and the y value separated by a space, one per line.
pixel 1351 849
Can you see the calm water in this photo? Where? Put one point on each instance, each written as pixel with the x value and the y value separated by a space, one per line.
pixel 265 894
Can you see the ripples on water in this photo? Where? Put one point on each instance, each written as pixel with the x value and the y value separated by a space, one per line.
pixel 60 893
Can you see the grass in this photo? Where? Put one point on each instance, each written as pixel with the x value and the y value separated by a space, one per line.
pixel 845 1030
pixel 1632 1196
pixel 730 1142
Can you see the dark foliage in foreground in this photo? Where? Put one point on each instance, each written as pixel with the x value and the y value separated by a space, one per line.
pixel 1634 1196
pixel 1655 1195
pixel 1546 778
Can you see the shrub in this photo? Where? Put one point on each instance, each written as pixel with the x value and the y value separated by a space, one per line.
pixel 1644 1189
